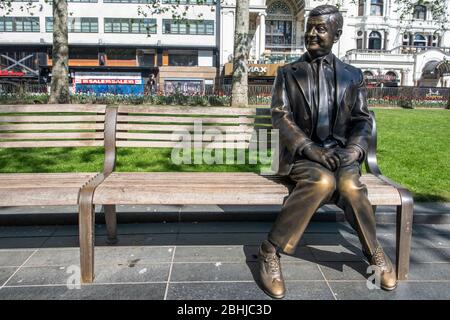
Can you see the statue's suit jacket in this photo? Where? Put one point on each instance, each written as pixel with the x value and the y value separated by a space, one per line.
pixel 292 114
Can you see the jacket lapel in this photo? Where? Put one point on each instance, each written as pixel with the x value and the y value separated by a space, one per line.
pixel 342 80
pixel 302 74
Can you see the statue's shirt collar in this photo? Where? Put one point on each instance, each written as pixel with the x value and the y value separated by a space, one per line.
pixel 327 58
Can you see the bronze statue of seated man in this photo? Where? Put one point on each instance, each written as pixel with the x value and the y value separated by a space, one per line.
pixel 319 106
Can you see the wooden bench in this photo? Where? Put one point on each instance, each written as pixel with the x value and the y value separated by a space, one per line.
pixel 47 126
pixel 152 127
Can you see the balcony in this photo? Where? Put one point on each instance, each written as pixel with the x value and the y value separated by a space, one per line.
pixel 399 54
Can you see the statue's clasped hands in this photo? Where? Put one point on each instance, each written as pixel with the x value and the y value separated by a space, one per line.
pixel 333 158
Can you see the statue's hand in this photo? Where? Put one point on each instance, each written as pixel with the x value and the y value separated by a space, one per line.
pixel 326 157
pixel 348 155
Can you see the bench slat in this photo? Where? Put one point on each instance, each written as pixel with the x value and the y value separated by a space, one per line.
pixel 52 135
pixel 72 108
pixel 171 137
pixel 164 119
pixel 49 118
pixel 51 126
pixel 52 144
pixel 175 128
pixel 168 110
pixel 172 144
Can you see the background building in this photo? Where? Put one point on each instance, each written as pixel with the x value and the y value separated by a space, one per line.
pixel 390 51
pixel 115 49
pixel 111 44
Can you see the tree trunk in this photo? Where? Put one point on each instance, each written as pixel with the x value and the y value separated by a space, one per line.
pixel 59 90
pixel 239 91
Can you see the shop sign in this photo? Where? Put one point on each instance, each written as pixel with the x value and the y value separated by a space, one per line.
pixel 110 81
pixel 7 73
pixel 256 70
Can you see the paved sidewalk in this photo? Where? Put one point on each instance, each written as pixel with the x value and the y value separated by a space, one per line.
pixel 212 260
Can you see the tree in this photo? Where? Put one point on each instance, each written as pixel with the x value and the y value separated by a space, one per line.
pixel 239 90
pixel 59 88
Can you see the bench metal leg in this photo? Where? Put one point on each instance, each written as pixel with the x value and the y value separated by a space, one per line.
pixel 404 234
pixel 111 223
pixel 86 225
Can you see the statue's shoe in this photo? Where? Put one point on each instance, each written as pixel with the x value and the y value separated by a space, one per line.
pixel 388 277
pixel 270 271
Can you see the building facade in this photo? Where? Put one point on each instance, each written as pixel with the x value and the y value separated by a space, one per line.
pixel 113 46
pixel 111 43
pixel 391 50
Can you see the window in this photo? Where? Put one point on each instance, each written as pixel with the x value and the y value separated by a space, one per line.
pixel 83 53
pixel 75 25
pixel 420 41
pixel 375 40
pixel 420 12
pixel 183 58
pixel 405 39
pixel 279 31
pixel 126 25
pixel 19 24
pixel 146 58
pixel 361 5
pixel 195 27
pixel 121 54
pixel 376 7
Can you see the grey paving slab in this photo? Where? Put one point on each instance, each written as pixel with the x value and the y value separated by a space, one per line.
pixel 420 255
pixel 432 229
pixel 344 270
pixel 148 291
pixel 55 257
pixel 29 276
pixel 216 291
pixel 308 290
pixel 22 243
pixel 301 290
pixel 214 253
pixel 14 258
pixel 336 253
pixel 429 271
pixel 122 229
pixel 225 227
pixel 239 271
pixel 5 273
pixel 26 231
pixel 405 291
pixel 122 240
pixel 104 256
pixel 221 239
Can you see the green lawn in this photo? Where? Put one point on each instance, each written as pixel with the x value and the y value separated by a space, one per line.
pixel 414 150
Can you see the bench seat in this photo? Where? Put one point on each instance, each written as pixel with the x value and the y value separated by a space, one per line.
pixel 200 188
pixel 42 189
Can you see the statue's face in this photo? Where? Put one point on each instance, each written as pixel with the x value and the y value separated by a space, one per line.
pixel 320 35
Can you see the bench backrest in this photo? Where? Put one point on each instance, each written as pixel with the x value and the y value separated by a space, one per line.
pixel 31 126
pixel 159 127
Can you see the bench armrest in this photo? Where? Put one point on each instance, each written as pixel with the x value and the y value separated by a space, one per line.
pixel 371 158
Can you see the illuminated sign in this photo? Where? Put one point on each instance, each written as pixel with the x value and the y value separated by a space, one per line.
pixel 110 81
pixel 7 73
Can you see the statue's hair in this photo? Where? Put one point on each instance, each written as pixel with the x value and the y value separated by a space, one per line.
pixel 336 17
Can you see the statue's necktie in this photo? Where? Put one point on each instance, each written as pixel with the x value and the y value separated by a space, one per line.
pixel 323 121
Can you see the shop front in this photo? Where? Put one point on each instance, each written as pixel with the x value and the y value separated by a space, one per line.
pixel 258 74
